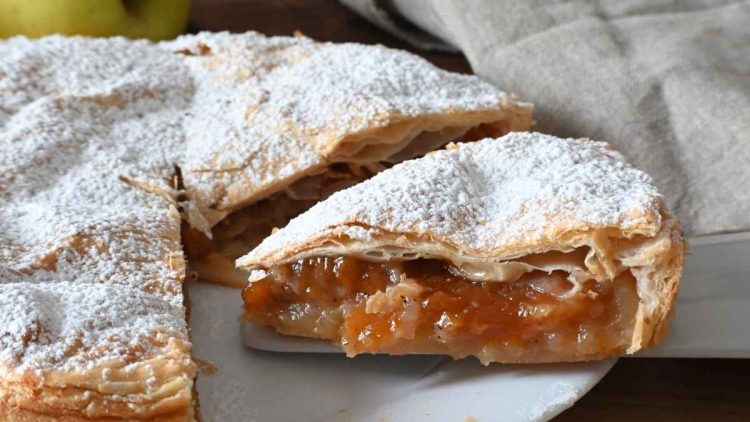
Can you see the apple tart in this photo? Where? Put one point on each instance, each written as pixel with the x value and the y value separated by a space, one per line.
pixel 108 145
pixel 526 248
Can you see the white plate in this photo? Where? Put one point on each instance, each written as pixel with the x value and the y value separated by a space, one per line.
pixel 260 386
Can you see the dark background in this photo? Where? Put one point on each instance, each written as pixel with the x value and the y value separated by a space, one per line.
pixel 636 389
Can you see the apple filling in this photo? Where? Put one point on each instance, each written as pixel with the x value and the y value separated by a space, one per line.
pixel 427 306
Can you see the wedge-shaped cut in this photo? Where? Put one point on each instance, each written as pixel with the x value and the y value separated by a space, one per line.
pixel 298 120
pixel 526 248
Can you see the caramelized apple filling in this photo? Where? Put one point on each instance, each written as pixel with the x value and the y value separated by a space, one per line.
pixel 424 306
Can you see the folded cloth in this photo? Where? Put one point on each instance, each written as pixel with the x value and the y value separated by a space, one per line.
pixel 666 82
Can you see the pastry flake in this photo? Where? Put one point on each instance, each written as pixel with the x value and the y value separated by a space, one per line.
pixel 526 248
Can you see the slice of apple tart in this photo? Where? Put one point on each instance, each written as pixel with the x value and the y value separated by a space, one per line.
pixel 526 248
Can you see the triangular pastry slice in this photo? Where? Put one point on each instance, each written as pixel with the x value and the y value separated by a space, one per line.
pixel 280 123
pixel 526 248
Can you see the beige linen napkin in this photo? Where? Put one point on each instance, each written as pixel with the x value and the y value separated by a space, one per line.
pixel 666 82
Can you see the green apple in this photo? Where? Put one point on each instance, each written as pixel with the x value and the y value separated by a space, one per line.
pixel 153 19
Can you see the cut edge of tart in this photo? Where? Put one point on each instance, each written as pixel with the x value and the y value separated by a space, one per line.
pixel 408 263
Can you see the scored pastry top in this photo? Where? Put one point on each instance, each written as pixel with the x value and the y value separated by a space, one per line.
pixel 492 199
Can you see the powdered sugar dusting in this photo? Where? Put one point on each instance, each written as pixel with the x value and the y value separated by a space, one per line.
pixel 91 131
pixel 485 196
pixel 56 317
pixel 236 148
pixel 387 84
pixel 84 258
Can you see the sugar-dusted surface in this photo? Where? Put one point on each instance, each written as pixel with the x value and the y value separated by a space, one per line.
pixel 89 266
pixel 235 147
pixel 485 196
pixel 320 95
pixel 117 319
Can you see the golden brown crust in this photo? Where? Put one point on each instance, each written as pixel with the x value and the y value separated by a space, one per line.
pixel 478 201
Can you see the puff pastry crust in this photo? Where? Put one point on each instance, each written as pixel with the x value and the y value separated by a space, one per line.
pixel 106 145
pixel 531 212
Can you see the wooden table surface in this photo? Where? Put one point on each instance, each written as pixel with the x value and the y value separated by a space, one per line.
pixel 636 389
